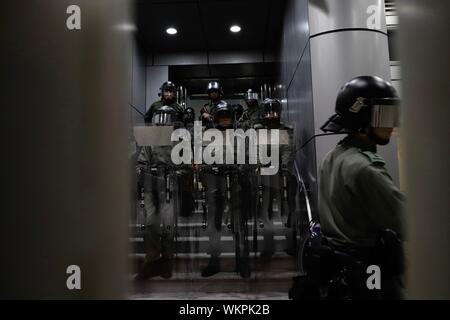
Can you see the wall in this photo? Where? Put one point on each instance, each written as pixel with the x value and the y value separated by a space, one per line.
pixel 296 83
pixel 156 76
pixel 138 84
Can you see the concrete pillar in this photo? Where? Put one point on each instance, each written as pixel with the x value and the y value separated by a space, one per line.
pixel 347 39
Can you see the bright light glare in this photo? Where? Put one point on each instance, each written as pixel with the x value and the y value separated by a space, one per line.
pixel 172 31
pixel 235 29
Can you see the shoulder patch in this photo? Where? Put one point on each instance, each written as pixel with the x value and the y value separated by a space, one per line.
pixel 374 157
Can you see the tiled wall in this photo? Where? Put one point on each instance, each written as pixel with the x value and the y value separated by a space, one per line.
pixel 138 85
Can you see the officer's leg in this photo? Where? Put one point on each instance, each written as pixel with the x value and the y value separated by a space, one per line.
pixel 152 236
pixel 268 247
pixel 215 191
pixel 153 221
pixel 293 211
pixel 288 210
pixel 240 230
pixel 167 212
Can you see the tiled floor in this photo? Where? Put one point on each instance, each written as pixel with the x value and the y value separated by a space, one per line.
pixel 222 286
pixel 209 296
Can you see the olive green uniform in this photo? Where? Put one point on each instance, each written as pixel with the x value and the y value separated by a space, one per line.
pixel 357 197
pixel 251 118
pixel 208 108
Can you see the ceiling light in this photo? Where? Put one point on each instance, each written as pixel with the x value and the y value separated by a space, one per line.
pixel 172 31
pixel 235 29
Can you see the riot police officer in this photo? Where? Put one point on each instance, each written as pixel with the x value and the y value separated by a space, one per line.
pixel 251 118
pixel 281 187
pixel 188 117
pixel 222 199
pixel 358 200
pixel 168 94
pixel 155 167
pixel 215 92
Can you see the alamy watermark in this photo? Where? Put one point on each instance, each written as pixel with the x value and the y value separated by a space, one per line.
pixel 374 280
pixel 73 281
pixel 231 147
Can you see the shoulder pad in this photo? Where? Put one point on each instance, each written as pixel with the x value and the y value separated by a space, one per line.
pixel 374 158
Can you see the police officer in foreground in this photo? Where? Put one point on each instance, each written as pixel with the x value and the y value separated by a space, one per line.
pixel 358 201
pixel 160 187
pixel 281 187
pixel 215 92
pixel 168 94
pixel 224 202
pixel 252 117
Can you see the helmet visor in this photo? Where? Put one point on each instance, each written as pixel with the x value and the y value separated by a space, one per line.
pixel 385 113
pixel 251 96
pixel 163 118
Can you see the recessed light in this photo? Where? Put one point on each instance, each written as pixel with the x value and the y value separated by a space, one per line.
pixel 172 31
pixel 235 28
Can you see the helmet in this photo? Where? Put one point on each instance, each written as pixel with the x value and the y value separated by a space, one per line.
pixel 365 101
pixel 214 85
pixel 250 96
pixel 165 116
pixel 189 115
pixel 221 111
pixel 238 110
pixel 168 86
pixel 271 109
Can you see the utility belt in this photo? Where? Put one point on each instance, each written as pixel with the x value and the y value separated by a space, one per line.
pixel 164 169
pixel 220 170
pixel 387 253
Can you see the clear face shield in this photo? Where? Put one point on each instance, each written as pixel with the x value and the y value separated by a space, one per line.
pixel 385 113
pixel 251 97
pixel 164 117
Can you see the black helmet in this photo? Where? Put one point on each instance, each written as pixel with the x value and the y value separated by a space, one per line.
pixel 168 86
pixel 189 115
pixel 165 115
pixel 271 108
pixel 251 96
pixel 365 101
pixel 223 110
pixel 214 85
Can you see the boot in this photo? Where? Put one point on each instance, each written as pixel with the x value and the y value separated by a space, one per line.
pixel 149 270
pixel 212 268
pixel 244 268
pixel 166 268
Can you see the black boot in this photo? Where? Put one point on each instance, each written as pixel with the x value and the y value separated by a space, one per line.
pixel 212 268
pixel 149 270
pixel 244 268
pixel 166 268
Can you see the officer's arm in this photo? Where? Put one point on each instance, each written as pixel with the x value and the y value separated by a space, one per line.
pixel 383 201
